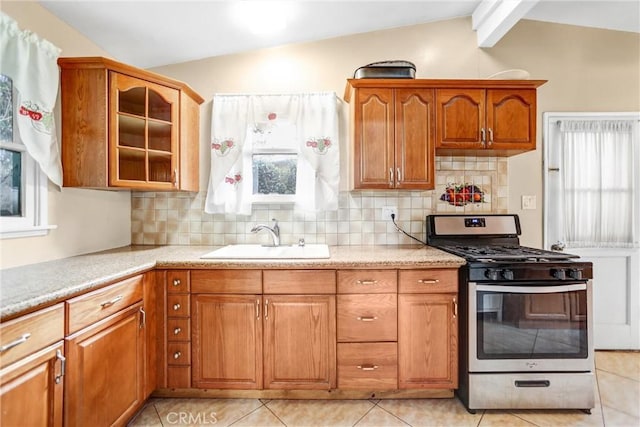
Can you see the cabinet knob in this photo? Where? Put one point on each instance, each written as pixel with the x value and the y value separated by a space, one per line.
pixel 176 306
pixel 176 331
pixel 176 282
pixel 177 355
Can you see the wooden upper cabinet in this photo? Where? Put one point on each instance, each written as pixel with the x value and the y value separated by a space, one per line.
pixel 123 127
pixel 485 122
pixel 414 148
pixel 393 138
pixel 396 123
pixel 373 138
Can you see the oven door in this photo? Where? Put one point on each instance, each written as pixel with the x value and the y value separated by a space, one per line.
pixel 532 327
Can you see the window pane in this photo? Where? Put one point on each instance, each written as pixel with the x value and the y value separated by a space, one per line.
pixel 6 109
pixel 274 173
pixel 10 183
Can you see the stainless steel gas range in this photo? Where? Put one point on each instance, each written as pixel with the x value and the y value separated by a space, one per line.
pixel 526 325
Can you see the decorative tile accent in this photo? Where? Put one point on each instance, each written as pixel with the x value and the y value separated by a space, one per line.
pixel 161 218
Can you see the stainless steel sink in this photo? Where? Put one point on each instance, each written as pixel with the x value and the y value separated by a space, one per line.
pixel 248 251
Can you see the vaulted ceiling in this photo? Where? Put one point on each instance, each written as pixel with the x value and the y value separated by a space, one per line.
pixel 153 33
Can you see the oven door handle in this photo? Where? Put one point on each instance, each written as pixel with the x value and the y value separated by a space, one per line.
pixel 532 289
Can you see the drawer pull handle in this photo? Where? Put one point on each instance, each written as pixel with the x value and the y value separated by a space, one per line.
pixel 368 367
pixel 14 343
pixel 257 309
pixel 111 302
pixel 367 318
pixel 176 306
pixel 367 282
pixel 176 282
pixel 176 331
pixel 177 355
pixel 63 365
pixel 428 281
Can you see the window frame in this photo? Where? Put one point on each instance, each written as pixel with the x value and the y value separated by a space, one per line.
pixel 34 197
pixel 284 149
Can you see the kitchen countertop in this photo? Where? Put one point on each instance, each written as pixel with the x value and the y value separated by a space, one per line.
pixel 26 288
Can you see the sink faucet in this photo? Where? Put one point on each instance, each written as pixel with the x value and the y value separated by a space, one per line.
pixel 273 231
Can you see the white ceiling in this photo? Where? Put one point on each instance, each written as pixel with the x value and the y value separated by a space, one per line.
pixel 153 33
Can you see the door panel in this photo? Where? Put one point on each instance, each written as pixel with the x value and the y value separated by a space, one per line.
pixel 616 282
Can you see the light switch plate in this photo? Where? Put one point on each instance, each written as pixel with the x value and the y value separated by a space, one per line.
pixel 528 202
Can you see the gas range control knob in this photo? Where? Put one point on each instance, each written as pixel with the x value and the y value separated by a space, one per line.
pixel 575 273
pixel 559 274
pixel 491 274
pixel 507 274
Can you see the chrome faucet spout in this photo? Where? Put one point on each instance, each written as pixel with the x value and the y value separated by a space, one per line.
pixel 273 231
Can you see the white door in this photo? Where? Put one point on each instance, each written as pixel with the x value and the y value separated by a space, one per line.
pixel 592 200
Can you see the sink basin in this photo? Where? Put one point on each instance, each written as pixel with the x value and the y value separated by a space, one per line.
pixel 269 252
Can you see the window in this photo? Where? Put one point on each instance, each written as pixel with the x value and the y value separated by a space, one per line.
pixel 23 187
pixel 274 161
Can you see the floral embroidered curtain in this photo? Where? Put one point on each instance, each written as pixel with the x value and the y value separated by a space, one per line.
pixel 31 62
pixel 301 126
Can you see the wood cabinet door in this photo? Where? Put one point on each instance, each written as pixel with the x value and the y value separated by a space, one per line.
pixel 460 118
pixel 227 341
pixel 300 341
pixel 144 130
pixel 373 139
pixel 104 383
pixel 427 341
pixel 414 139
pixel 511 119
pixel 29 393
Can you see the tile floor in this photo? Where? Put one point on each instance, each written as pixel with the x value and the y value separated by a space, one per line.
pixel 617 404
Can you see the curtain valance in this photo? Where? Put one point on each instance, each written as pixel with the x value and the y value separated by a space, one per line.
pixel 31 63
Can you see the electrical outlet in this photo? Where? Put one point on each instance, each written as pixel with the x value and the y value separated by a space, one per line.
pixel 388 210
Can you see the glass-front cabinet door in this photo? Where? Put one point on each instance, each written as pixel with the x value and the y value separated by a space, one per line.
pixel 143 125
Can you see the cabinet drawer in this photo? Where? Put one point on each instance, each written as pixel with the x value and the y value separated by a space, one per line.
pixel 178 330
pixel 371 366
pixel 299 281
pixel 178 281
pixel 89 308
pixel 367 317
pixel 178 305
pixel 226 281
pixel 367 281
pixel 29 333
pixel 178 353
pixel 428 281
pixel 179 377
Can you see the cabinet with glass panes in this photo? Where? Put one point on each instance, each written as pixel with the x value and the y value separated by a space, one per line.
pixel 123 127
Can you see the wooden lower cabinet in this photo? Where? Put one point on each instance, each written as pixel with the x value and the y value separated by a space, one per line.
pixel 105 370
pixel 427 341
pixel 227 341
pixel 299 341
pixel 31 389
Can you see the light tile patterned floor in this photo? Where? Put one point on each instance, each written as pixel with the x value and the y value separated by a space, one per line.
pixel 617 405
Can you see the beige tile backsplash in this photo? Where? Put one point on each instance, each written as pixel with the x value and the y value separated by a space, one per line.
pixel 159 218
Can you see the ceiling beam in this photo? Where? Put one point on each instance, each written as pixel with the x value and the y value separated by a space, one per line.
pixel 492 19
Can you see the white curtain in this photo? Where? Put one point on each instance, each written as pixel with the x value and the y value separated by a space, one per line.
pixel 599 175
pixel 305 124
pixel 31 62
